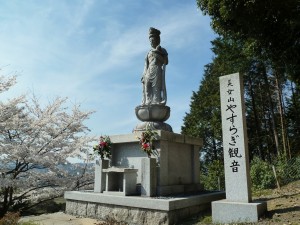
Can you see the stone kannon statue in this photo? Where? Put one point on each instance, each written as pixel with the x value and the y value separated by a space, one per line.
pixel 153 78
pixel 153 110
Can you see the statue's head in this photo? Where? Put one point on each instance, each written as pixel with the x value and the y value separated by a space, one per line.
pixel 154 37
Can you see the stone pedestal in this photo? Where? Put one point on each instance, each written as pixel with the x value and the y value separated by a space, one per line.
pixel 225 211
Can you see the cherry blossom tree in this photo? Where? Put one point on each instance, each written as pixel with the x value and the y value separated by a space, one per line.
pixel 35 144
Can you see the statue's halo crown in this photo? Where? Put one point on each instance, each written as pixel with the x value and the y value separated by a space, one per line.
pixel 153 32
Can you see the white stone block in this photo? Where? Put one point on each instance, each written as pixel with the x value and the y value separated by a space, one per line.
pixel 100 178
pixel 224 211
pixel 148 177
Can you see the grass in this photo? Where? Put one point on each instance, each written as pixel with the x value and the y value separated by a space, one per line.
pixel 258 193
pixel 203 218
pixel 28 223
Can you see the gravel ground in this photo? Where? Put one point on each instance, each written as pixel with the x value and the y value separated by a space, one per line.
pixel 283 205
pixel 59 218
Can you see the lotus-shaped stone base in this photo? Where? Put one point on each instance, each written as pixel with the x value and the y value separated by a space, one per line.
pixel 153 126
pixel 153 117
pixel 152 113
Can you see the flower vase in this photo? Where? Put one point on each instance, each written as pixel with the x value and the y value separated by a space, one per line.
pixel 148 177
pixel 100 178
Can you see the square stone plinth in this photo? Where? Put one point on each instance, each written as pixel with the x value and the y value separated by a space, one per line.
pixel 225 211
pixel 138 210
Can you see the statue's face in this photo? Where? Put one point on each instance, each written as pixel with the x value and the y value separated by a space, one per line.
pixel 154 41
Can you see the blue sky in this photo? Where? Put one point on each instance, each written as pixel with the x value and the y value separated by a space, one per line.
pixel 93 53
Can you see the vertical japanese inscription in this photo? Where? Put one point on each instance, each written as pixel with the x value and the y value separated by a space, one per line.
pixel 232 150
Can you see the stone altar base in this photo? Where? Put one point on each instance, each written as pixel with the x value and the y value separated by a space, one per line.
pixel 225 211
pixel 177 159
pixel 137 210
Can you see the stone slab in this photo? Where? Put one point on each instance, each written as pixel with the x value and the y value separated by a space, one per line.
pixel 119 170
pixel 162 135
pixel 125 138
pixel 116 193
pixel 155 203
pixel 225 211
pixel 137 210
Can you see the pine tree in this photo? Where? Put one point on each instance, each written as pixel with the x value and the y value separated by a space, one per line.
pixel 204 118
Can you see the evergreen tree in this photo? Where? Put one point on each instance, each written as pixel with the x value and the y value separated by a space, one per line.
pixel 273 25
pixel 293 119
pixel 204 118
pixel 267 61
pixel 260 40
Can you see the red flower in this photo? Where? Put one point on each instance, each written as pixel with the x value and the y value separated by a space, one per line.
pixel 103 144
pixel 146 145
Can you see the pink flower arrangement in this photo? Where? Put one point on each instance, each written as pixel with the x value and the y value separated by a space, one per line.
pixel 146 141
pixel 103 148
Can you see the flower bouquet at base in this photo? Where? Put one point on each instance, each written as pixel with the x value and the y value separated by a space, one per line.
pixel 146 141
pixel 103 149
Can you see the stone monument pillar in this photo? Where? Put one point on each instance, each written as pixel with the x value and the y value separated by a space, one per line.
pixel 238 205
pixel 153 111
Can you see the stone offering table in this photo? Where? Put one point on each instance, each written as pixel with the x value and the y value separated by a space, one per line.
pixel 120 181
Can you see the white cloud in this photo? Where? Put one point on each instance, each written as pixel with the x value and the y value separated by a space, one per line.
pixel 93 52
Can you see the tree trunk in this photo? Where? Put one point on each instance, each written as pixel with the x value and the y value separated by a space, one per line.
pixel 281 114
pixel 214 147
pixel 257 124
pixel 295 103
pixel 265 123
pixel 4 208
pixel 273 121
